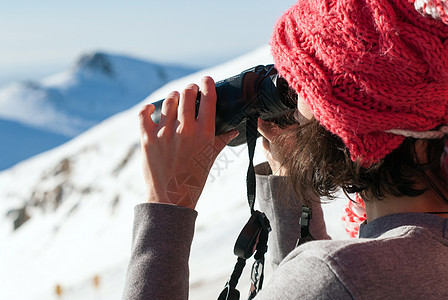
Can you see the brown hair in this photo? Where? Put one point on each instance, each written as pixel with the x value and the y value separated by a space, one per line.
pixel 319 163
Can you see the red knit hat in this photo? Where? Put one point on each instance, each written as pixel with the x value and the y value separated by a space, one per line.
pixel 372 71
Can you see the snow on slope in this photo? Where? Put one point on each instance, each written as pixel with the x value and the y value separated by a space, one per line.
pixel 63 105
pixel 79 199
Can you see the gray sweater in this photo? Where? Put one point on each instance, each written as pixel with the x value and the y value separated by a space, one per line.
pixel 403 256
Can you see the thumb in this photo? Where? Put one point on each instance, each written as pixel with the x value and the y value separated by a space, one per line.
pixel 222 140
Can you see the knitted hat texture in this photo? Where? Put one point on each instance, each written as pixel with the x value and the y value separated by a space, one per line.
pixel 366 67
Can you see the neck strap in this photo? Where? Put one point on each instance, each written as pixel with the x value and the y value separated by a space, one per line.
pixel 251 137
pixel 254 236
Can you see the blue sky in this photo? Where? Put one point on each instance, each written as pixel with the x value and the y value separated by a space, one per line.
pixel 38 38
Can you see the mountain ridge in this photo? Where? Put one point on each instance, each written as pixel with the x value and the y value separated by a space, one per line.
pixel 65 104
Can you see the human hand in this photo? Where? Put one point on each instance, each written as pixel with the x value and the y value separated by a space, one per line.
pixel 274 146
pixel 179 151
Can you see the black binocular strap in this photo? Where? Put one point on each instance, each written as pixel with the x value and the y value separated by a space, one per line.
pixel 251 137
pixel 257 275
pixel 230 292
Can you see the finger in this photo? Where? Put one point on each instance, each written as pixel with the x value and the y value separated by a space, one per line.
pixel 187 105
pixel 222 140
pixel 147 125
pixel 144 116
pixel 207 107
pixel 269 130
pixel 169 109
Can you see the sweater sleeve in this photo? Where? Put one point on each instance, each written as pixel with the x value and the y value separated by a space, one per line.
pixel 161 243
pixel 277 200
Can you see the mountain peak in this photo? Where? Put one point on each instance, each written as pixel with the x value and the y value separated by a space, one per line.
pixel 96 61
pixel 36 116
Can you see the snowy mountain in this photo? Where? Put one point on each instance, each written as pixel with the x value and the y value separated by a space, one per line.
pixel 37 116
pixel 66 215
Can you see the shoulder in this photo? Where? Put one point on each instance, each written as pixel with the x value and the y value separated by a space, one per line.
pixel 372 267
pixel 308 273
pixel 365 250
pixel 317 270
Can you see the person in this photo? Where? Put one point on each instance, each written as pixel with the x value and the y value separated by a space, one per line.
pixel 371 79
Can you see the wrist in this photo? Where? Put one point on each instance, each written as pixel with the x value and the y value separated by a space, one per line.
pixel 265 169
pixel 182 189
pixel 278 171
pixel 183 200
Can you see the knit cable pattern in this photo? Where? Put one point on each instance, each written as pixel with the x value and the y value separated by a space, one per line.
pixel 366 68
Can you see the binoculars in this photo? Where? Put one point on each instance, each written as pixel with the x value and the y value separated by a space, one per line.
pixel 256 92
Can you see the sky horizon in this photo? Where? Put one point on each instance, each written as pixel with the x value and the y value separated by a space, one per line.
pixel 45 37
